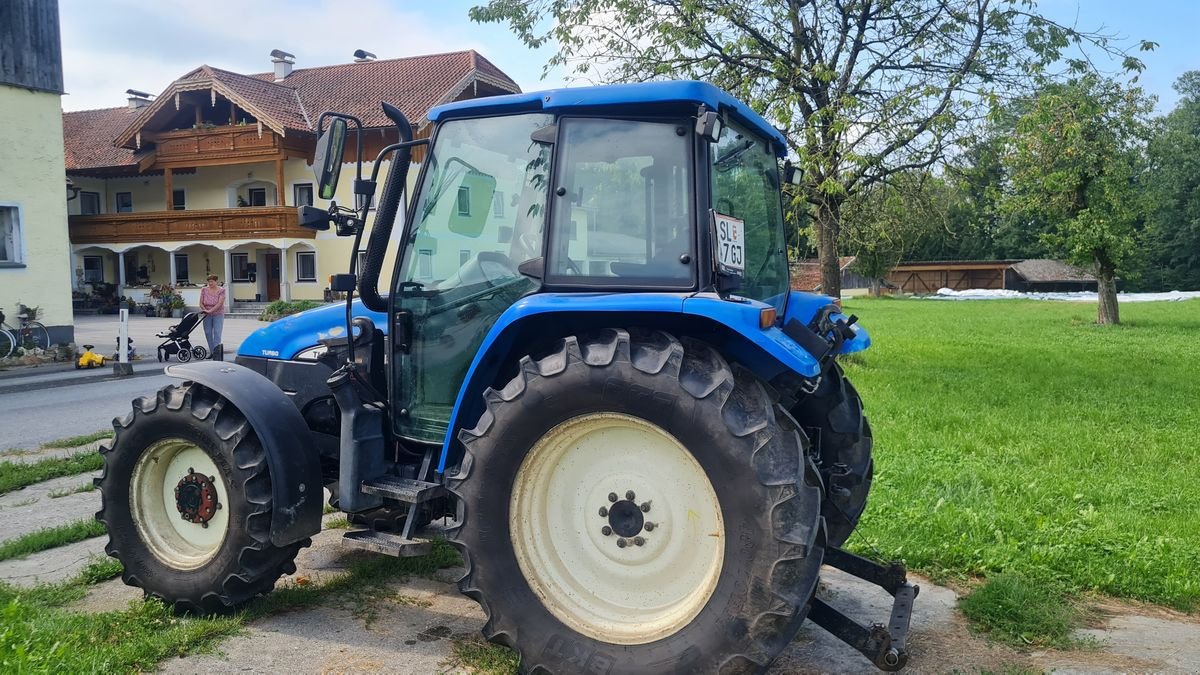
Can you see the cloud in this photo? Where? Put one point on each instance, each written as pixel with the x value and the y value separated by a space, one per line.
pixel 115 45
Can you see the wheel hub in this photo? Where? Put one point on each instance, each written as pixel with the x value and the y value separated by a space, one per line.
pixel 196 498
pixel 626 519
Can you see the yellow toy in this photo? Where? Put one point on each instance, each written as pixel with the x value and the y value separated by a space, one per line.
pixel 89 359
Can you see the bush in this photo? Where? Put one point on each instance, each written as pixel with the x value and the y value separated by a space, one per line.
pixel 282 308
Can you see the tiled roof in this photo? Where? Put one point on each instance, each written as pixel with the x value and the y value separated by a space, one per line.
pixel 1050 270
pixel 415 84
pixel 89 134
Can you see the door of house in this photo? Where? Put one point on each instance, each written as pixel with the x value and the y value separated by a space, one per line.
pixel 272 261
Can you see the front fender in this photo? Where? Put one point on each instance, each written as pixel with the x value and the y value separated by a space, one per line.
pixel 768 352
pixel 296 488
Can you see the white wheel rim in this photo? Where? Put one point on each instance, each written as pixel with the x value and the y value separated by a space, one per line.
pixel 173 540
pixel 631 595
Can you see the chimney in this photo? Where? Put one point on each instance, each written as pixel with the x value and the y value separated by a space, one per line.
pixel 137 99
pixel 363 56
pixel 283 63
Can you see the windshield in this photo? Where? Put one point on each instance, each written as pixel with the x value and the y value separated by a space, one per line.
pixel 745 185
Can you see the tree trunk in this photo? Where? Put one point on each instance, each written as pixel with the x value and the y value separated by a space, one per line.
pixel 876 287
pixel 828 225
pixel 1107 312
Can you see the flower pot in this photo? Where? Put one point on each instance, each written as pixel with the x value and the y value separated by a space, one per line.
pixel 177 314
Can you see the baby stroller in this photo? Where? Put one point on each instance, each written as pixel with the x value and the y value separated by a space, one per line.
pixel 177 344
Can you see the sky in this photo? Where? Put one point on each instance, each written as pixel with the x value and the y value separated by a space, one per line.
pixel 113 45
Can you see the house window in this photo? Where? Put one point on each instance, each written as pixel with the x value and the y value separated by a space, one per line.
pixel 425 263
pixel 302 194
pixel 93 268
pixel 240 264
pixel 498 204
pixel 10 234
pixel 464 201
pixel 258 196
pixel 463 256
pixel 124 202
pixel 181 268
pixel 306 266
pixel 360 263
pixel 178 200
pixel 358 202
pixel 89 203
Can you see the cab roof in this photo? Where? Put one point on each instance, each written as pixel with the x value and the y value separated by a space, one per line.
pixel 641 97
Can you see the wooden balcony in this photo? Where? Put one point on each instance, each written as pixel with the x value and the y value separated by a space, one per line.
pixel 260 222
pixel 215 145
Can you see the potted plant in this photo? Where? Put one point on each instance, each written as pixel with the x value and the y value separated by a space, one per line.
pixel 177 306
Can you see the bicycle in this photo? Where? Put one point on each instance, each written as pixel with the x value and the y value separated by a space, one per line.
pixel 27 334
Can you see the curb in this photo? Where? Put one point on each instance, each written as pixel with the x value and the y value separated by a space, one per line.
pixel 82 379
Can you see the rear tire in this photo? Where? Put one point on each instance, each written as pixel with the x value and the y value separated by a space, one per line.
pixel 192 567
pixel 833 417
pixel 199 353
pixel 184 355
pixel 724 579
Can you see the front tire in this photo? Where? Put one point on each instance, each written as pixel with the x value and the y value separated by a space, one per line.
pixel 586 447
pixel 186 498
pixel 833 417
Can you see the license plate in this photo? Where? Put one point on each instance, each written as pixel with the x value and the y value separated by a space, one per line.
pixel 730 243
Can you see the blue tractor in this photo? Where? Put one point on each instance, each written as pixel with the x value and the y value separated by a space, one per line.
pixel 587 372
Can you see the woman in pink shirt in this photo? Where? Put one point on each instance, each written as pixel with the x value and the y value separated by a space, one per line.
pixel 212 302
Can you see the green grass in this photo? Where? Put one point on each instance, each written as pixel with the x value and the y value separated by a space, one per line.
pixel 37 634
pixel 339 523
pixel 483 657
pixel 76 441
pixel 1012 609
pixel 50 537
pixel 16 475
pixel 67 492
pixel 1017 436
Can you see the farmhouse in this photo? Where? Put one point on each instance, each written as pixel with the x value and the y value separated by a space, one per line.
pixel 204 177
pixel 34 269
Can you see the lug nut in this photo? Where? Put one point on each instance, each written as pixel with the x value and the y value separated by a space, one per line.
pixel 621 543
pixel 606 530
pixel 649 526
pixel 629 495
pixel 603 512
pixel 639 541
pixel 612 496
pixel 645 507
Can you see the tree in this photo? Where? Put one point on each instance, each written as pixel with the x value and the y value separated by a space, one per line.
pixel 886 221
pixel 863 89
pixel 1074 161
pixel 1172 193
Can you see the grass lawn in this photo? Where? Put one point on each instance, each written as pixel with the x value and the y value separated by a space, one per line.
pixel 1016 436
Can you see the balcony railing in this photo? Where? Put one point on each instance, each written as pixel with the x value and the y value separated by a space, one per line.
pixel 241 223
pixel 186 146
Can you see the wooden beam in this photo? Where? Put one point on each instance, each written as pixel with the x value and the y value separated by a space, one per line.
pixel 280 195
pixel 167 187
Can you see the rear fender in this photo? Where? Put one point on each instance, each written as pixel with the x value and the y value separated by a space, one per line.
pixel 296 488
pixel 733 326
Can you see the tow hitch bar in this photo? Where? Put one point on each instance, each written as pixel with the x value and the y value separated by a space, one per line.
pixel 884 646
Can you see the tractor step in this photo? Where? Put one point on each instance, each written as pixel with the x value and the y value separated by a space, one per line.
pixel 387 544
pixel 408 490
pixel 885 646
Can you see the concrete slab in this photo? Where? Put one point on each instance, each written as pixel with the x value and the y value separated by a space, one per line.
pixel 33 508
pixel 57 564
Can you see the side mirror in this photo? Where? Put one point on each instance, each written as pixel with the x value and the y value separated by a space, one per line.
pixel 327 161
pixel 791 173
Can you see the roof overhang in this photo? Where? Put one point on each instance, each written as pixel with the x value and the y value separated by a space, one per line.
pixel 131 137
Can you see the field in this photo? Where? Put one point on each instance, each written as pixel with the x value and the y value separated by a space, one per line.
pixel 1018 437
